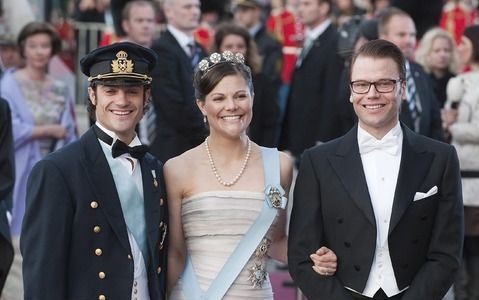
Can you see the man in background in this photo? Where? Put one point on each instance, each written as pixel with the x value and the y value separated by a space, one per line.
pixel 179 122
pixel 248 13
pixel 311 113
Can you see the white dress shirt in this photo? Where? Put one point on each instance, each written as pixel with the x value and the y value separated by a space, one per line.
pixel 313 33
pixel 381 168
pixel 140 279
pixel 183 39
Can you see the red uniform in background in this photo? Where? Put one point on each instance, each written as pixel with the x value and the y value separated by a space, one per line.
pixel 289 32
pixel 456 16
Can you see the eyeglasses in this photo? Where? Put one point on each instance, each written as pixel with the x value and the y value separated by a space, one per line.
pixel 381 86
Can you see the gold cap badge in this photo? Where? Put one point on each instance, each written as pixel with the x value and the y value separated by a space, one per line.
pixel 122 64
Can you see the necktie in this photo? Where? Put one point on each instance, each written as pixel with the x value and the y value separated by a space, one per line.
pixel 412 100
pixel 308 43
pixel 388 144
pixel 194 55
pixel 120 147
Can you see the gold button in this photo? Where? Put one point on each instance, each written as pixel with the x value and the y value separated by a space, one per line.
pixel 96 229
pixel 158 270
pixel 129 256
pixel 101 275
pixel 101 297
pixel 162 201
pixel 94 204
pixel 98 252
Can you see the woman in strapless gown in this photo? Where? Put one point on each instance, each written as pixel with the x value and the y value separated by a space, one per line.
pixel 216 191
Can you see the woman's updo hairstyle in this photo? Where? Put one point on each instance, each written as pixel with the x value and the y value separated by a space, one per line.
pixel 217 66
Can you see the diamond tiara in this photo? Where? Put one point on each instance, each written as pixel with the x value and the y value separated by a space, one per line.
pixel 208 63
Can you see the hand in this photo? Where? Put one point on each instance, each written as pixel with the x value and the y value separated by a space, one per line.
pixel 54 131
pixel 449 116
pixel 325 261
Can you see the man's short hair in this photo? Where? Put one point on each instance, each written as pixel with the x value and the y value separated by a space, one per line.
pixel 385 17
pixel 125 13
pixel 381 49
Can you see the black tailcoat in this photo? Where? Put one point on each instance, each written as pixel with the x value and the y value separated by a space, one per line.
pixel 72 210
pixel 332 208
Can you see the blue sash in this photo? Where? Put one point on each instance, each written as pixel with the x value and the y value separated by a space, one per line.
pixel 132 204
pixel 274 200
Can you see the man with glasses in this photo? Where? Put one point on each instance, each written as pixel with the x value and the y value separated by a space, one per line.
pixel 386 200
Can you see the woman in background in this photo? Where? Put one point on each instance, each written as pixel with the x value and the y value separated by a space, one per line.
pixel 42 118
pixel 437 54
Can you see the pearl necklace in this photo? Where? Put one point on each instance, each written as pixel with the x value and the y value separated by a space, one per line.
pixel 215 171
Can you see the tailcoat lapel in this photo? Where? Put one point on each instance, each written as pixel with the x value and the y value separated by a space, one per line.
pixel 415 163
pixel 101 180
pixel 151 196
pixel 348 166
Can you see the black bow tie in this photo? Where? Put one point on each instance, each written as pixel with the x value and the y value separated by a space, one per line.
pixel 120 147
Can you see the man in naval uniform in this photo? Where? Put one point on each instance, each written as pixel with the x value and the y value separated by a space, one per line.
pixel 96 218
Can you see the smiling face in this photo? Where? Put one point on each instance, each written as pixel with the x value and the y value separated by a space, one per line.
pixel 228 107
pixel 377 112
pixel 119 108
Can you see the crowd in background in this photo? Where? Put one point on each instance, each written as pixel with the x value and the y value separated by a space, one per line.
pixel 299 54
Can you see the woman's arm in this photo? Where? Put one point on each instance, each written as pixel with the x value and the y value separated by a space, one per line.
pixel 279 245
pixel 176 242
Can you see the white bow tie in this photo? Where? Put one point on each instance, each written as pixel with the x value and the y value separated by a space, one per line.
pixel 388 144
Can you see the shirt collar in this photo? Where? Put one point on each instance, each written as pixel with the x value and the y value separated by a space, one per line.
pixel 315 32
pixel 395 132
pixel 134 142
pixel 254 30
pixel 182 38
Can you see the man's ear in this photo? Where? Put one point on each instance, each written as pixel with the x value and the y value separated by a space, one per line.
pixel 148 95
pixel 92 95
pixel 125 25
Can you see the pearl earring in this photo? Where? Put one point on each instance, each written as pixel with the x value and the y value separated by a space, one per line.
pixel 351 99
pixel 205 120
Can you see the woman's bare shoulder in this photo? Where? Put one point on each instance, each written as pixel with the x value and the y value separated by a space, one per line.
pixel 183 162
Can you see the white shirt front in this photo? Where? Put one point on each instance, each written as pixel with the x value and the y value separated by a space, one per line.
pixel 313 33
pixel 381 170
pixel 183 39
pixel 140 279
